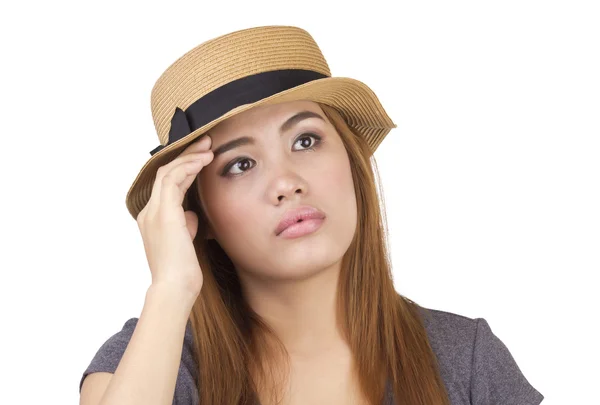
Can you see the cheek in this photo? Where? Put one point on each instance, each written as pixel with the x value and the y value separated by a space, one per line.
pixel 235 217
pixel 338 190
pixel 337 183
pixel 341 181
pixel 227 215
pixel 224 211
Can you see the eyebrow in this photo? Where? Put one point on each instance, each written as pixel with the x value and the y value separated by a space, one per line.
pixel 248 140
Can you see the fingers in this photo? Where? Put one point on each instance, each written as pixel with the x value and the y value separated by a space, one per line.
pixel 174 178
pixel 173 188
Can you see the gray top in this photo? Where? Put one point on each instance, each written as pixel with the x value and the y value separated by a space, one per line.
pixel 476 367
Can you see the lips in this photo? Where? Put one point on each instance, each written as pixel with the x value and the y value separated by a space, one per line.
pixel 292 216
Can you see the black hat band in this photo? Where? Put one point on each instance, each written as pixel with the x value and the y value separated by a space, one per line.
pixel 245 90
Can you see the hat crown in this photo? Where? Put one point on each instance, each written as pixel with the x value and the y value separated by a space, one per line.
pixel 229 57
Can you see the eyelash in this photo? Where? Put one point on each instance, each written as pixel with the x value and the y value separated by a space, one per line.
pixel 317 143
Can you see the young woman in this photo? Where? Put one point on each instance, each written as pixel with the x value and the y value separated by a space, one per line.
pixel 271 280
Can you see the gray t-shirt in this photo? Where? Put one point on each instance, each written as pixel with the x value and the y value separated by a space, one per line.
pixel 476 367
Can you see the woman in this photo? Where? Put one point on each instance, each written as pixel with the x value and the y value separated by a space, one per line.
pixel 271 281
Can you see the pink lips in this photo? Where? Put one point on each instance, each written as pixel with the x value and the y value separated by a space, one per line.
pixel 300 220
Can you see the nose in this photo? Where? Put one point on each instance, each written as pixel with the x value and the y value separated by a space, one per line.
pixel 287 186
pixel 298 191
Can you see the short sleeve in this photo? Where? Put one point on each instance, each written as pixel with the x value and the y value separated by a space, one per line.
pixel 496 379
pixel 109 355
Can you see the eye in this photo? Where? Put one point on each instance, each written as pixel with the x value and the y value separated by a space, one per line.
pixel 306 144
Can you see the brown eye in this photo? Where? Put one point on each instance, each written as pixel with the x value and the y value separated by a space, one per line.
pixel 235 164
pixel 305 140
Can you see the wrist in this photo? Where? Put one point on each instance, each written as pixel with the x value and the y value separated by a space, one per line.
pixel 172 296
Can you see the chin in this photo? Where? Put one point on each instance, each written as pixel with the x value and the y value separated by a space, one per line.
pixel 302 264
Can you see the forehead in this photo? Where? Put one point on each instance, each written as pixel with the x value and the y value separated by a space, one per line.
pixel 265 115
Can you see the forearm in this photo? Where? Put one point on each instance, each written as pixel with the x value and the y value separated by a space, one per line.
pixel 148 370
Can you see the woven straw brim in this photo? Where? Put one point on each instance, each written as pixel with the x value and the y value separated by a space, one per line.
pixel 356 102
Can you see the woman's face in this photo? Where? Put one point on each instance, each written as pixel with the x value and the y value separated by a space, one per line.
pixel 246 190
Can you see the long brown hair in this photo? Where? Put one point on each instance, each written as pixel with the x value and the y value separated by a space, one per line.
pixel 384 329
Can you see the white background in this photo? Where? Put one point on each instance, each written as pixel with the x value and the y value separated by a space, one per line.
pixel 491 180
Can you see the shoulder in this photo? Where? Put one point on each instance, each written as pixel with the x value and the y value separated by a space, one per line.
pixel 109 355
pixel 475 364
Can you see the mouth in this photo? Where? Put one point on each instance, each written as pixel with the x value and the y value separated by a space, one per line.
pixel 300 216
pixel 301 228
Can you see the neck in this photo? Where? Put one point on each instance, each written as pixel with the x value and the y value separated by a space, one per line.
pixel 302 312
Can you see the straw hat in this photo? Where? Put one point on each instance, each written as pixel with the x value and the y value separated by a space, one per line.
pixel 232 73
